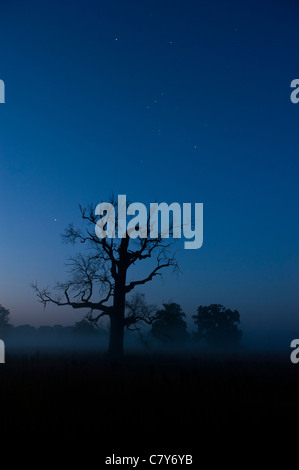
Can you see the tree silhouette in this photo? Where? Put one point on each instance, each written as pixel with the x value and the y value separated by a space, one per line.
pixel 169 325
pixel 4 317
pixel 217 324
pixel 99 276
pixel 138 310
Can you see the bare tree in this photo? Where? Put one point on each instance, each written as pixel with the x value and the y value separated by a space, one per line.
pixel 99 276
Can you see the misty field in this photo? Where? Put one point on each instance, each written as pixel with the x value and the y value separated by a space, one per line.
pixel 161 403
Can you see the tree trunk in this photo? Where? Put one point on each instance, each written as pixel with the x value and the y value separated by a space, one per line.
pixel 117 316
pixel 116 340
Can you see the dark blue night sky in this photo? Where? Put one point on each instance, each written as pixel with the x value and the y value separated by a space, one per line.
pixel 185 101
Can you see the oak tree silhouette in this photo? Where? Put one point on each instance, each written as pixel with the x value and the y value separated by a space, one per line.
pixel 99 276
pixel 217 324
pixel 169 325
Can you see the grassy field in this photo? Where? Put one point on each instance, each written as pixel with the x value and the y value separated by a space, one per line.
pixel 205 406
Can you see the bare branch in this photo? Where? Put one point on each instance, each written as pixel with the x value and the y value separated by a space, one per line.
pixel 45 297
pixel 155 272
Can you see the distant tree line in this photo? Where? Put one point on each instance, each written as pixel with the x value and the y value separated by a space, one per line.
pixel 215 325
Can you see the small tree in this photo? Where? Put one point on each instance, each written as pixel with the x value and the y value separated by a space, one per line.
pixel 4 317
pixel 138 312
pixel 217 324
pixel 169 325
